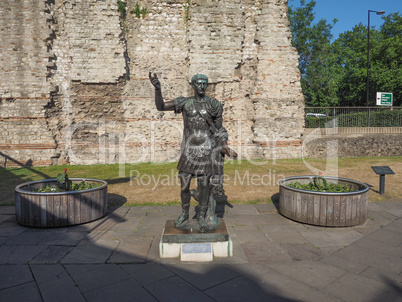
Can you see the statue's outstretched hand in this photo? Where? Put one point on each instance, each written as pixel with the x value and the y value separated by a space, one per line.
pixel 229 152
pixel 154 80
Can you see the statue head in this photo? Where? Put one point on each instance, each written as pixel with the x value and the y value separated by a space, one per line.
pixel 199 82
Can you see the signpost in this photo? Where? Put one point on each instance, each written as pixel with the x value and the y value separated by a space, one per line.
pixel 384 98
pixel 382 171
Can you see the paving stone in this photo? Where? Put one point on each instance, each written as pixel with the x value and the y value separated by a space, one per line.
pixel 313 273
pixel 345 264
pixel 19 254
pixel 51 255
pixel 383 275
pixel 205 275
pixel 268 218
pixel 90 277
pixel 305 251
pixel 266 208
pixel 28 238
pixel 147 273
pixel 390 205
pixel 265 251
pixel 142 211
pixel 251 236
pixel 4 239
pixel 127 290
pixel 386 236
pixel 153 230
pixel 45 273
pixel 27 292
pixel 91 252
pixel 351 287
pixel 64 238
pixel 61 289
pixel 131 250
pixel 393 226
pixel 368 228
pixel 245 228
pixel 378 247
pixel 243 209
pixel 153 253
pixel 245 288
pixel 397 213
pixel 11 229
pixel 286 237
pixel 176 289
pixel 12 275
pixel 7 210
pixel 332 238
pixel 372 258
pixel 291 227
pixel 128 225
pixel 229 221
pixel 120 235
pixel 383 218
pixel 375 207
pixel 290 287
pixel 7 218
pixel 119 212
pixel 330 250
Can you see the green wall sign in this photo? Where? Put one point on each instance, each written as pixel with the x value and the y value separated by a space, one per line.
pixel 384 98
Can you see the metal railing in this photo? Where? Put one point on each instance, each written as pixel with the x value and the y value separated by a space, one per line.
pixel 329 117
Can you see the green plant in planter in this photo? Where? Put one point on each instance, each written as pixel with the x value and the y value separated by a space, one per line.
pixel 320 184
pixel 64 182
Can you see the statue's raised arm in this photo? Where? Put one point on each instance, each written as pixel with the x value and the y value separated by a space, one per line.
pixel 159 103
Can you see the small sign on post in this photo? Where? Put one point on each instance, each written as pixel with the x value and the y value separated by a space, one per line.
pixel 384 99
pixel 382 171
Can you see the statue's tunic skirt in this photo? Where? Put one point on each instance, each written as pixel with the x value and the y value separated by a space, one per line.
pixel 199 154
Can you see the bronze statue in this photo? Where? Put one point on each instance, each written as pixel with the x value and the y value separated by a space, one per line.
pixel 203 149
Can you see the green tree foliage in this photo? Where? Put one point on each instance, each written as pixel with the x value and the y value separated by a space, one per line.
pixel 312 41
pixel 386 62
pixel 335 74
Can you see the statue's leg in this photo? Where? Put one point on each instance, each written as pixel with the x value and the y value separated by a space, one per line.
pixel 185 180
pixel 203 185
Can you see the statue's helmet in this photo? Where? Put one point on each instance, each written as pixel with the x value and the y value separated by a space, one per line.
pixel 199 77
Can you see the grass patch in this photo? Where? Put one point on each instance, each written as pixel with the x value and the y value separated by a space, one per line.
pixel 245 181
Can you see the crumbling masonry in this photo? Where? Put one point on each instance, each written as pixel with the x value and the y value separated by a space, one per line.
pixel 74 81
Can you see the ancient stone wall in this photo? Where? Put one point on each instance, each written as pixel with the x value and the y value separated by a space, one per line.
pixel 25 66
pixel 336 144
pixel 74 78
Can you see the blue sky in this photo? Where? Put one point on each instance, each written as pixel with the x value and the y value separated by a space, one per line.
pixel 351 12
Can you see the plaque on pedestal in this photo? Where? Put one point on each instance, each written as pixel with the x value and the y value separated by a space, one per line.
pixel 192 245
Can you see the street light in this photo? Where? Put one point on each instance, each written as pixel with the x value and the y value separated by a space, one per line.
pixel 381 12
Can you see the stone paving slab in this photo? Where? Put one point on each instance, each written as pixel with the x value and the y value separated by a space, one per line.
pixel 194 274
pixel 147 273
pixel 340 238
pixel 116 258
pixel 122 291
pixel 94 276
pixel 289 287
pixel 27 292
pixel 351 287
pixel 61 289
pixel 176 289
pixel 12 275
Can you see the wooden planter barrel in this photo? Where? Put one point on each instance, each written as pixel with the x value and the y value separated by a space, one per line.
pixel 59 209
pixel 323 208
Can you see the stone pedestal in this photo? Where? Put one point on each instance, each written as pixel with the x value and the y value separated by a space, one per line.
pixel 191 245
